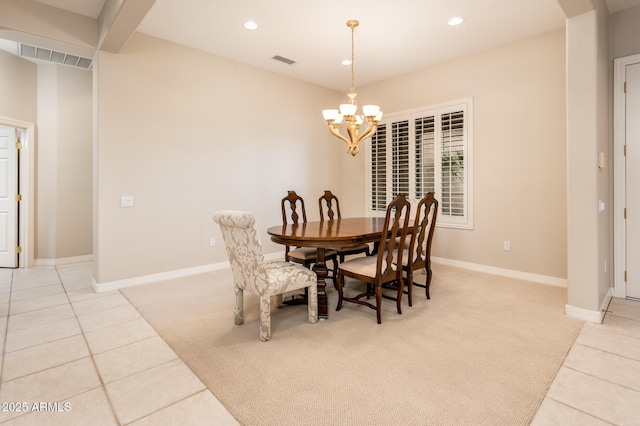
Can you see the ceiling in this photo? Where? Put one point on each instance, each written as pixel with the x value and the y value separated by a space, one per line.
pixel 394 36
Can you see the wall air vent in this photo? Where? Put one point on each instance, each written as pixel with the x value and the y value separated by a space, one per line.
pixel 285 60
pixel 40 53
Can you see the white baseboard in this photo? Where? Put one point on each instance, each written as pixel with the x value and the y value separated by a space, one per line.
pixel 63 260
pixel 571 311
pixel 526 276
pixel 164 276
pixel 147 279
pixel 588 315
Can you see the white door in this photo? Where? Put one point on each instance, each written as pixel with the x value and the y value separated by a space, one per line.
pixel 8 203
pixel 632 178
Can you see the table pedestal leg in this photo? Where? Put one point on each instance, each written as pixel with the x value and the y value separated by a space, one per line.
pixel 320 268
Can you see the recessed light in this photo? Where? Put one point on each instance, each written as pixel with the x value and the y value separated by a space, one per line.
pixel 456 20
pixel 346 62
pixel 250 25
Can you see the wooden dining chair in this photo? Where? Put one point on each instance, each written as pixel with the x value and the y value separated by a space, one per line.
pixel 383 268
pixel 419 244
pixel 294 213
pixel 330 206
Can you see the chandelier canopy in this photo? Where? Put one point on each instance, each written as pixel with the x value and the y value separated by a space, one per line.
pixel 346 116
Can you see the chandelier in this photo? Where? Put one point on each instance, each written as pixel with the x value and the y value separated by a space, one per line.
pixel 347 116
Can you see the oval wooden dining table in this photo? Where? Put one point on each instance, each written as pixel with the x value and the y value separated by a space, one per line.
pixel 327 234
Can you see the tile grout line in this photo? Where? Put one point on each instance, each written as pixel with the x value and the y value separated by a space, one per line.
pixel 104 385
pixel 607 352
pixel 93 361
pixel 579 410
pixel 564 359
pixel 602 329
pixel 600 378
pixel 617 315
pixel 6 331
pixel 75 316
pixel 205 390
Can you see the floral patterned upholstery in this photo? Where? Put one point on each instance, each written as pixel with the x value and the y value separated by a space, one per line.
pixel 253 274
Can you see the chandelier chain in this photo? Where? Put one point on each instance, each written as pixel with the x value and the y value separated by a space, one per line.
pixel 347 116
pixel 353 49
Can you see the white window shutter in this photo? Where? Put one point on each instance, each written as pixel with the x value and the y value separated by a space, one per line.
pixel 421 151
pixel 452 155
pixel 400 157
pixel 378 169
pixel 425 156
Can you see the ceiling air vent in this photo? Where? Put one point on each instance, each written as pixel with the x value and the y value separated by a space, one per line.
pixel 52 56
pixel 285 60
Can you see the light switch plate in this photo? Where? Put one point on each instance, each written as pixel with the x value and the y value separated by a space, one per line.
pixel 602 160
pixel 126 201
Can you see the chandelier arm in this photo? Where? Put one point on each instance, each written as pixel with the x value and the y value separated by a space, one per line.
pixel 336 132
pixel 353 129
pixel 371 130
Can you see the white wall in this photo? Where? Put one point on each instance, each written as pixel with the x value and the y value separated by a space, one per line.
pixel 589 232
pixel 156 84
pixel 47 164
pixel 18 98
pixel 75 163
pixel 519 140
pixel 57 99
pixel 187 133
pixel 624 33
pixel 36 23
pixel 64 166
pixel 18 108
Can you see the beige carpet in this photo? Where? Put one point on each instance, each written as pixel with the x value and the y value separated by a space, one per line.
pixel 482 351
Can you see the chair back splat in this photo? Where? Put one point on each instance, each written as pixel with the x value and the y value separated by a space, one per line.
pixel 292 208
pixel 251 273
pixel 383 269
pixel 390 252
pixel 329 204
pixel 420 243
pixel 292 212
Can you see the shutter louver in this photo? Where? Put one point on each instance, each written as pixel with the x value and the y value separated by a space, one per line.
pixel 400 157
pixel 425 156
pixel 453 161
pixel 379 169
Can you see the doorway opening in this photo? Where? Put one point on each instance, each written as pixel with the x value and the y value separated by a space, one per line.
pixel 24 223
pixel 626 157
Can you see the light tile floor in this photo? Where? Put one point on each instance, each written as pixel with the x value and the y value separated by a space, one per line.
pixel 73 357
pixel 599 381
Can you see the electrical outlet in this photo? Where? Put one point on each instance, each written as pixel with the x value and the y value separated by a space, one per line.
pixel 212 242
pixel 507 245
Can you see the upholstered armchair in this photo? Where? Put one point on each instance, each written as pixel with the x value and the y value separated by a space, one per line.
pixel 251 273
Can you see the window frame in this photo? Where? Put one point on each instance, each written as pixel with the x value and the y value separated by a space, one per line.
pixel 465 221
